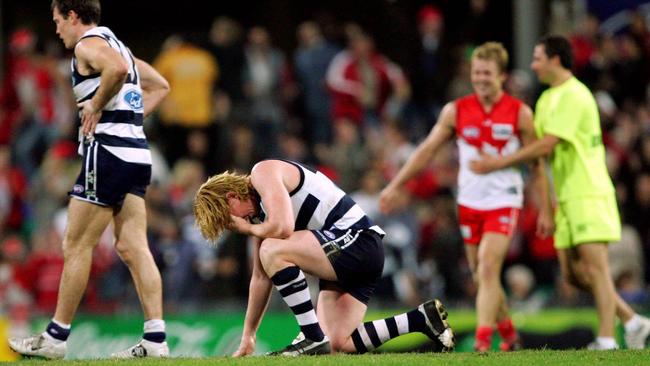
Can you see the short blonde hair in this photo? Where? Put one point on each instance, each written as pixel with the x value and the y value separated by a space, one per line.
pixel 211 210
pixel 492 51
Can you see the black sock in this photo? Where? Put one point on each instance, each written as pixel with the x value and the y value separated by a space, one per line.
pixel 57 332
pixel 157 337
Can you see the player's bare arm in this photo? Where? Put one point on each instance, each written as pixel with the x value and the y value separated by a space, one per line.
pixel 154 86
pixel 259 293
pixel 269 179
pixel 537 149
pixel 440 133
pixel 545 222
pixel 94 55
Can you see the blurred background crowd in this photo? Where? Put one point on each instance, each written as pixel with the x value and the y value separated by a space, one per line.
pixel 346 97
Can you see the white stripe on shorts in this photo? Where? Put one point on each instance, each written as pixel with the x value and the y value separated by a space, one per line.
pixel 96 175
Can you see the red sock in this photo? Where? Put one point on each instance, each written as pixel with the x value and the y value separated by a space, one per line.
pixel 483 338
pixel 507 330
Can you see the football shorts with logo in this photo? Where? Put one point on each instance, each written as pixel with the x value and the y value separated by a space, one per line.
pixel 474 223
pixel 105 179
pixel 357 257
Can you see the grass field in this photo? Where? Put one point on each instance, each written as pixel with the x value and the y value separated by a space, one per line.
pixel 532 358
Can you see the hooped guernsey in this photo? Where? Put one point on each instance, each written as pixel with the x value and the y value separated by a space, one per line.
pixel 120 129
pixel 318 204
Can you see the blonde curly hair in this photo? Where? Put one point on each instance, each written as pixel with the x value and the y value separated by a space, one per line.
pixel 211 210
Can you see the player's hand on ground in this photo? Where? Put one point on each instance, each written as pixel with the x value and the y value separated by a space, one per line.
pixel 89 117
pixel 246 347
pixel 545 224
pixel 486 164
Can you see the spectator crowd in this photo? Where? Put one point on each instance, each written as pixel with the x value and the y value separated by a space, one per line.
pixel 337 103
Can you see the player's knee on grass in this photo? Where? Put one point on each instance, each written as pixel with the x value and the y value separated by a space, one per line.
pixel 337 343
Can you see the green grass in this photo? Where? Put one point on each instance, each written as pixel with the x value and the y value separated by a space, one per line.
pixel 532 358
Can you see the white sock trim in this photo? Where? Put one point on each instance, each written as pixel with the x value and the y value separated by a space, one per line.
pixel 62 325
pixel 154 325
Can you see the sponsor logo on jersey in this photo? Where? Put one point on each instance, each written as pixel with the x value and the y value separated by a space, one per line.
pixel 134 99
pixel 78 188
pixel 471 132
pixel 329 234
pixel 501 131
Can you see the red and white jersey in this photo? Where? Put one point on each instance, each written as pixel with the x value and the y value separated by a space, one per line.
pixel 494 133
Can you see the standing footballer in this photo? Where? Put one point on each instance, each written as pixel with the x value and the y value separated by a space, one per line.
pixel 114 91
pixel 587 220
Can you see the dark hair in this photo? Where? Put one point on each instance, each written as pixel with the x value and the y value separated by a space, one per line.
pixel 89 11
pixel 558 46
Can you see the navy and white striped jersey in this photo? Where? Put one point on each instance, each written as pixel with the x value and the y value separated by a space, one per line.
pixel 120 128
pixel 318 204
